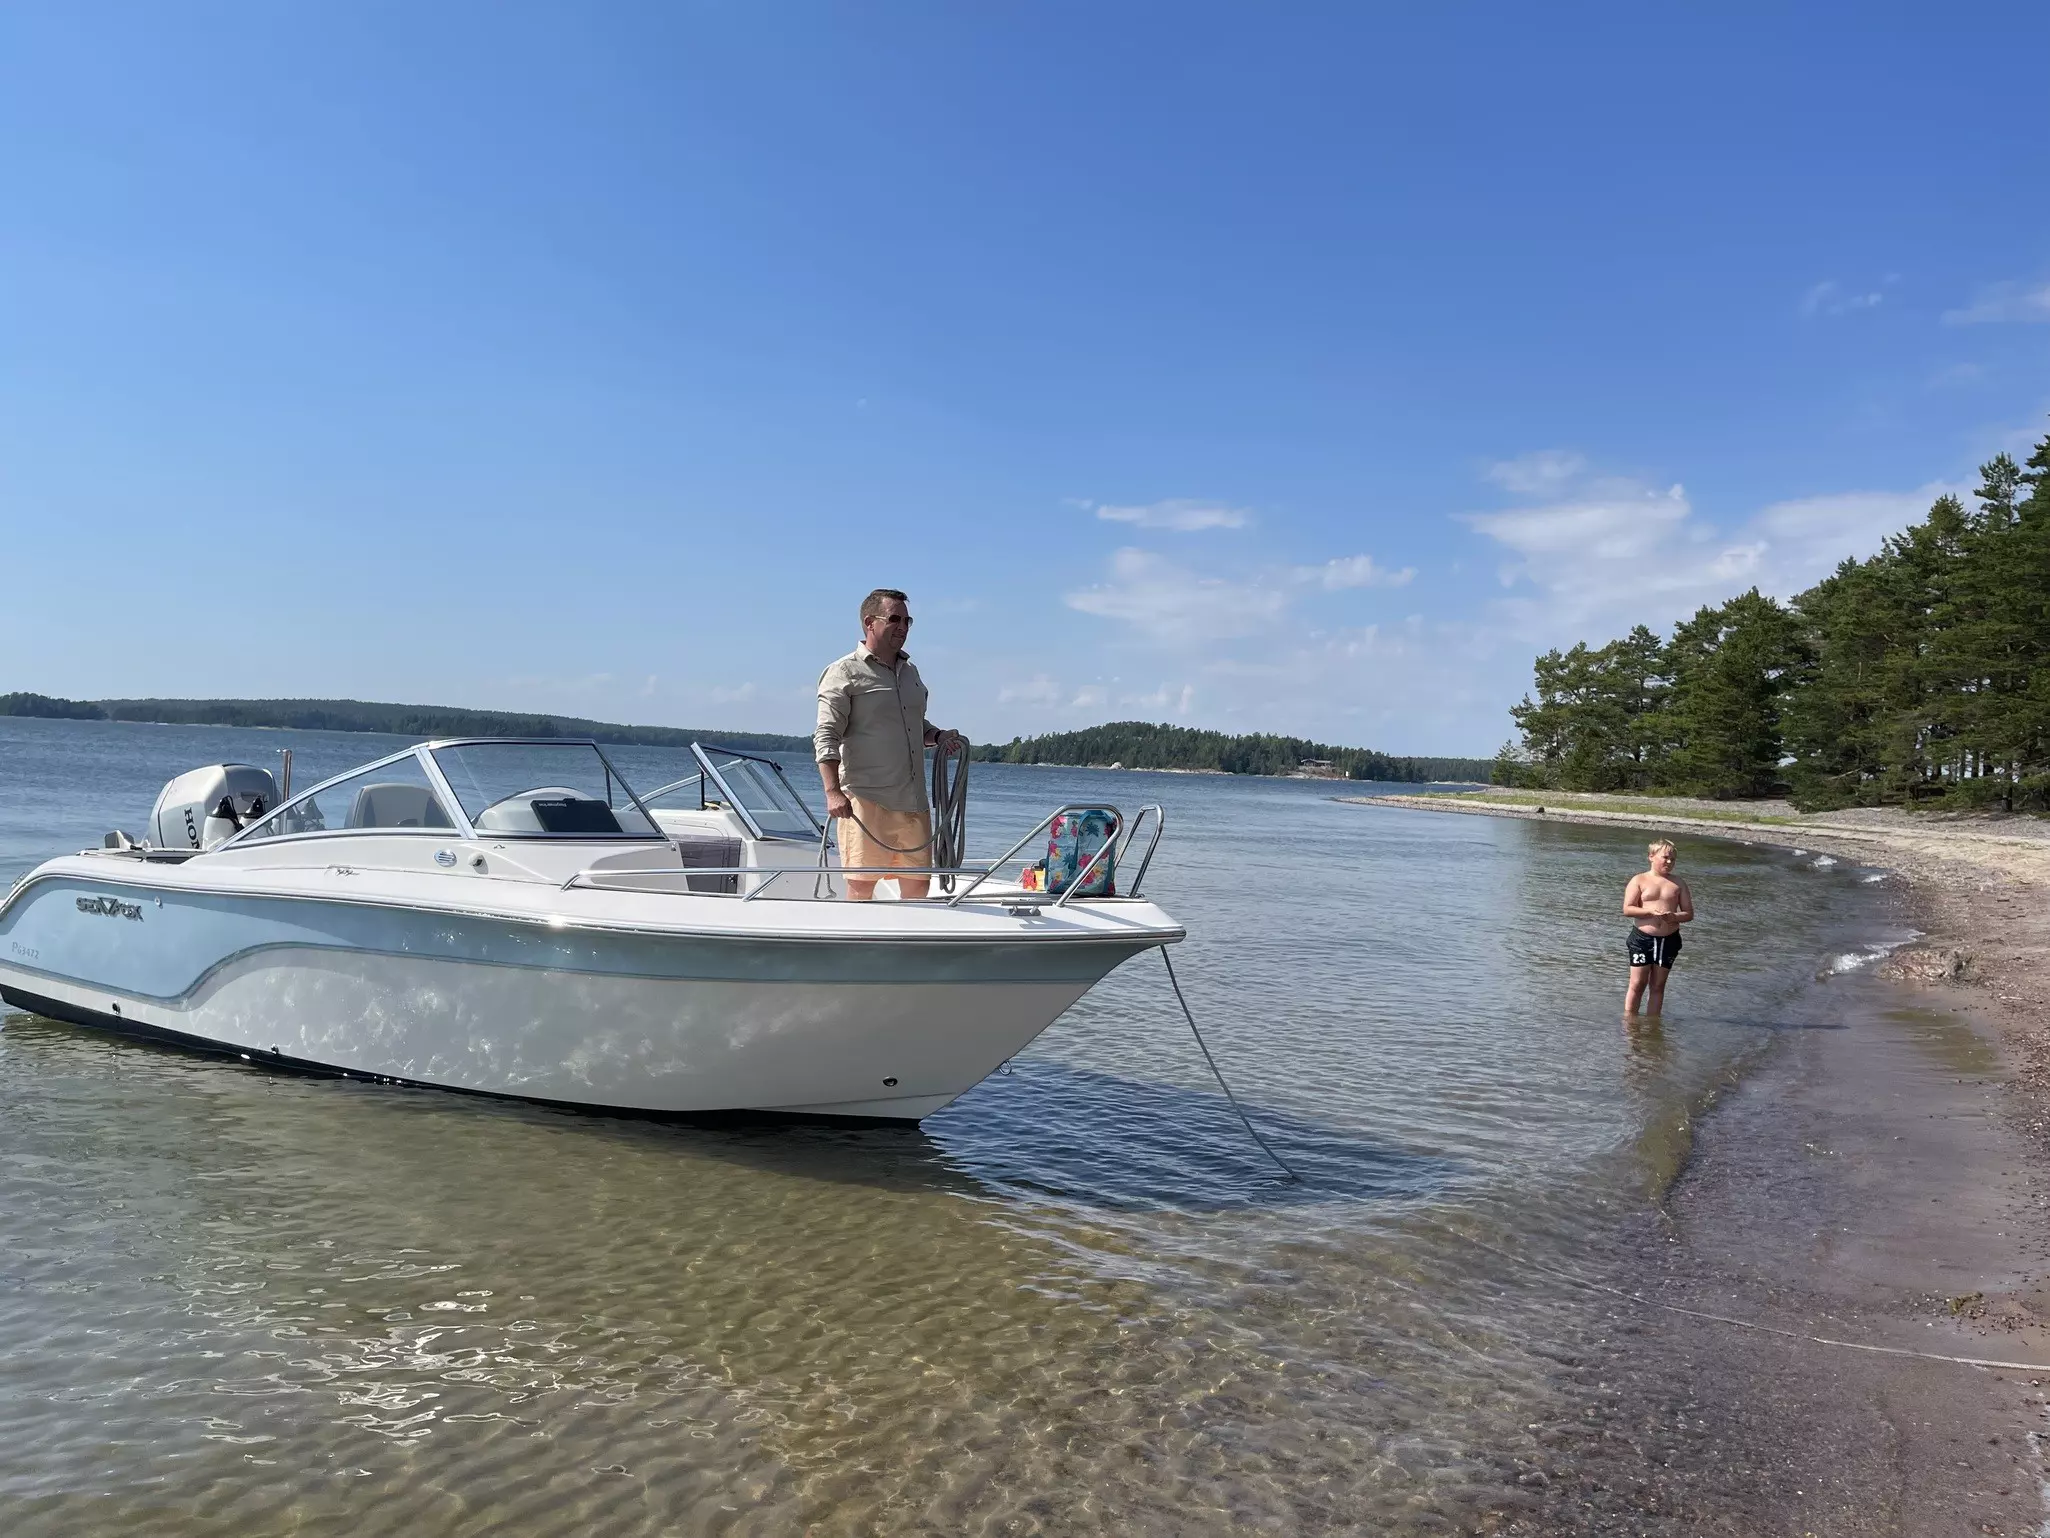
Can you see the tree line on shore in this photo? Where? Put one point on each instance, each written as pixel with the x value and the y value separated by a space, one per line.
pixel 1135 744
pixel 1918 676
pixel 416 721
pixel 1145 745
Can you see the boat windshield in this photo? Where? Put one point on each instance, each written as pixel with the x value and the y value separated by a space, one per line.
pixel 542 789
pixel 392 796
pixel 755 787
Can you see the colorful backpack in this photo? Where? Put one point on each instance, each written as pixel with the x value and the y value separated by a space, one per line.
pixel 1071 843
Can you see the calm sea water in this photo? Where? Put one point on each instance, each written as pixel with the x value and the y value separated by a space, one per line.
pixel 1077 1301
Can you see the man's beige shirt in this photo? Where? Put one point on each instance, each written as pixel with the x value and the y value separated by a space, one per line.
pixel 872 719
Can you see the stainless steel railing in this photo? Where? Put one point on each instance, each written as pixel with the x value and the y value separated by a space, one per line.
pixel 1120 844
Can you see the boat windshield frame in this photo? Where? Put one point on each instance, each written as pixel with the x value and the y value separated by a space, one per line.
pixel 709 776
pixel 428 750
pixel 460 826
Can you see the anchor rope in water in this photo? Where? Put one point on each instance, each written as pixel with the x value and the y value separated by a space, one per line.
pixel 1589 1282
pixel 1218 1073
pixel 1753 1324
pixel 950 806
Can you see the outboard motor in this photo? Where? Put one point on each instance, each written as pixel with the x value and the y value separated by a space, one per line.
pixel 203 806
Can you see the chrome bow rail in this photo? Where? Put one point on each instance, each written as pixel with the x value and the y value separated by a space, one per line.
pixel 765 876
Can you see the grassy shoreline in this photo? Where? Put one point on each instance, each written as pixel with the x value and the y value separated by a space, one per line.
pixel 1660 806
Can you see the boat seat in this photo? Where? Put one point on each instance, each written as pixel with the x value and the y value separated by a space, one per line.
pixel 397 806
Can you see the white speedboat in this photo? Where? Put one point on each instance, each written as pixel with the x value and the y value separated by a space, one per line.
pixel 508 917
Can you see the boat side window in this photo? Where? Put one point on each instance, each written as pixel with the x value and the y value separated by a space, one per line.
pixel 542 789
pixel 396 797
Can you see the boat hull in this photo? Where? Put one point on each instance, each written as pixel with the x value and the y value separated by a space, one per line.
pixel 602 1018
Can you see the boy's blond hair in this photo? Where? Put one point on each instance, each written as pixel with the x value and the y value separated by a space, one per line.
pixel 1657 844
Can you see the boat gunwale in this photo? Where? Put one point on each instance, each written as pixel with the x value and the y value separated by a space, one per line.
pixel 556 923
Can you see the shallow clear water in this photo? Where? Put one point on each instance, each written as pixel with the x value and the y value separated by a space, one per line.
pixel 1078 1300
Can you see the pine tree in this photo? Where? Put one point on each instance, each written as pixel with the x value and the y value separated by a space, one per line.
pixel 2025 597
pixel 1834 717
pixel 1730 666
pixel 1921 674
pixel 1593 724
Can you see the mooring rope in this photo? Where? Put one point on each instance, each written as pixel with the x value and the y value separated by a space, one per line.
pixel 1218 1073
pixel 949 811
pixel 1749 1324
pixel 948 842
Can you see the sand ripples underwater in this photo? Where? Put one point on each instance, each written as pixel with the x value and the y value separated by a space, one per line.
pixel 1077 1301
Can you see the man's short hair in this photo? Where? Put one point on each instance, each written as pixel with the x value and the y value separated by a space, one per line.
pixel 1657 845
pixel 872 606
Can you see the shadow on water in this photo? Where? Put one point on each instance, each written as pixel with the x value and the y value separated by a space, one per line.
pixel 1049 1130
pixel 1102 1140
pixel 888 1156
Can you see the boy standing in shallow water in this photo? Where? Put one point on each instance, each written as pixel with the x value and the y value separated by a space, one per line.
pixel 1660 904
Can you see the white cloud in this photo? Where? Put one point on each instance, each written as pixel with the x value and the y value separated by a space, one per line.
pixel 1169 699
pixel 1614 521
pixel 1538 474
pixel 1414 686
pixel 1181 515
pixel 1168 602
pixel 1037 690
pixel 720 695
pixel 1805 539
pixel 1606 554
pixel 1584 556
pixel 1613 535
pixel 2004 303
pixel 1353 571
pixel 1831 298
pixel 1615 552
pixel 557 684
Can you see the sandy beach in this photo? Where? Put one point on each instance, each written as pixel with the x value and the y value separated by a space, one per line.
pixel 1838 1308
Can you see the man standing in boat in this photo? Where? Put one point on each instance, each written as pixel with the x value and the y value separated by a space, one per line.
pixel 870 744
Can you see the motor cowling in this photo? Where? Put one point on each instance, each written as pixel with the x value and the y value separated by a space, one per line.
pixel 203 806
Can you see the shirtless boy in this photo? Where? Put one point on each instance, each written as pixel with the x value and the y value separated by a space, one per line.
pixel 1660 904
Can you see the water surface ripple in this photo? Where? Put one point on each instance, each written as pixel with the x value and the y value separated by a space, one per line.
pixel 1078 1300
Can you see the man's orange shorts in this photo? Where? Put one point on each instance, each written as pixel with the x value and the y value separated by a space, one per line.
pixel 910 832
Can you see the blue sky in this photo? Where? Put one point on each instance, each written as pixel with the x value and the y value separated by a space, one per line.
pixel 1298 368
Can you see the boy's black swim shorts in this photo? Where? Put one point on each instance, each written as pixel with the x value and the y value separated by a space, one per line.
pixel 1653 950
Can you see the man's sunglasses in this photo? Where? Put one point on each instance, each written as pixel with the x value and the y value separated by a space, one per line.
pixel 894 619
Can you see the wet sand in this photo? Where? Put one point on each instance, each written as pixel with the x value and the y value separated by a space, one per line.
pixel 1870 1203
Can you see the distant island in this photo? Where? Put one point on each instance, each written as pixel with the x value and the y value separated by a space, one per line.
pixel 397 720
pixel 1143 745
pixel 1122 744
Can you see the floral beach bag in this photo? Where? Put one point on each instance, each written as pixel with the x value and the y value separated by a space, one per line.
pixel 1072 842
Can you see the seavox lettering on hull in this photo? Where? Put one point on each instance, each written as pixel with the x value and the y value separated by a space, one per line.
pixel 111 907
